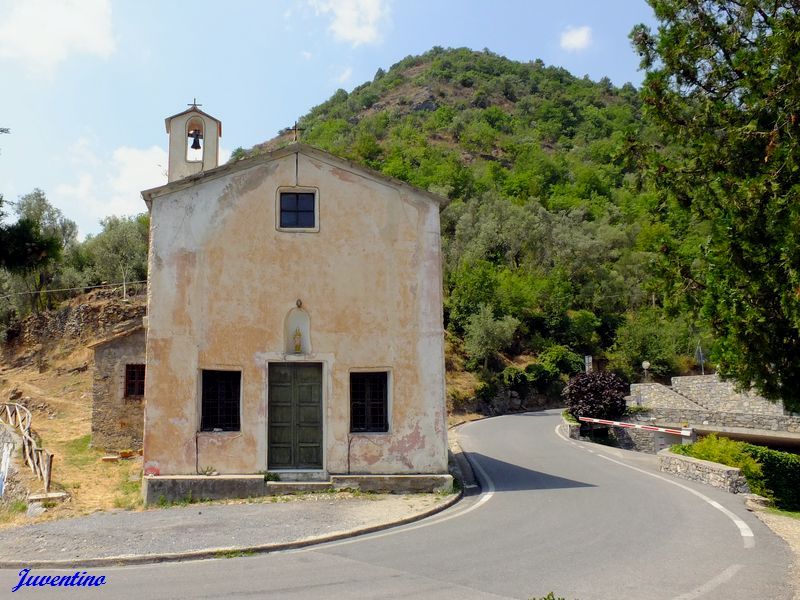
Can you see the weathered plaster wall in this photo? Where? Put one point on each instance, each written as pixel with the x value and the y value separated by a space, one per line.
pixel 117 422
pixel 223 279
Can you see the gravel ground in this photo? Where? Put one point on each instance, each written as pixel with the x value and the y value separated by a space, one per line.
pixel 202 526
pixel 789 529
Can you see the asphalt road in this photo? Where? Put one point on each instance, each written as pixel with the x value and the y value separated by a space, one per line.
pixel 583 521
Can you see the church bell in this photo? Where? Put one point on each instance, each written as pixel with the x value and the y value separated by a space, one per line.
pixel 195 133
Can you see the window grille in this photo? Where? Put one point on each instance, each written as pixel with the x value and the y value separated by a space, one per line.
pixel 134 381
pixel 369 402
pixel 220 402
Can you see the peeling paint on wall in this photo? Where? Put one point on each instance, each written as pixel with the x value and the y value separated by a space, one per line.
pixel 223 280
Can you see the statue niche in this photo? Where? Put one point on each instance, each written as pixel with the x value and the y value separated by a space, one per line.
pixel 297 332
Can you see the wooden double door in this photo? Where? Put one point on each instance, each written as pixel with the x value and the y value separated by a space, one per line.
pixel 294 416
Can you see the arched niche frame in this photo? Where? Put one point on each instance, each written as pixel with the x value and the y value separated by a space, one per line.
pixel 297 332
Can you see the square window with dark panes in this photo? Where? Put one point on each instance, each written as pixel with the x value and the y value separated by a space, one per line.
pixel 220 402
pixel 369 410
pixel 297 210
pixel 134 381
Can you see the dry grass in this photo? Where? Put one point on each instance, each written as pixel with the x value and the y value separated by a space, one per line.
pixel 462 385
pixel 454 419
pixel 64 426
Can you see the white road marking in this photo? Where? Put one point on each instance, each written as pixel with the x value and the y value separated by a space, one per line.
pixel 711 584
pixel 748 539
pixel 435 520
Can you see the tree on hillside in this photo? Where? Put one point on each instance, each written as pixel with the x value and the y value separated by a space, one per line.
pixel 722 87
pixel 119 252
pixel 35 207
pixel 55 234
pixel 486 335
pixel 26 252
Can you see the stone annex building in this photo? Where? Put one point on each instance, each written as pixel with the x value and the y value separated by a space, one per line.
pixel 294 324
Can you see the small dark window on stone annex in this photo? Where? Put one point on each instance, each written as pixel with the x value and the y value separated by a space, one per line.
pixel 134 381
pixel 297 210
pixel 220 403
pixel 369 402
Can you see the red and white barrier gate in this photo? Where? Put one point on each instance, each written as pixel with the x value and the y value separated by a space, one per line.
pixel 685 432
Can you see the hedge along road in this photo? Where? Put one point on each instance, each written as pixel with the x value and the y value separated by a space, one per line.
pixel 554 515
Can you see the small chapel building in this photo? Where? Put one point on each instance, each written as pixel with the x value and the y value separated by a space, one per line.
pixel 294 324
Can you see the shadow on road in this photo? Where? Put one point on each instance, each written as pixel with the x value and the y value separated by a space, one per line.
pixel 508 477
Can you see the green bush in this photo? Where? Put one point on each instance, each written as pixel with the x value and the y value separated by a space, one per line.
pixel 541 375
pixel 486 391
pixel 562 359
pixel 515 379
pixel 599 394
pixel 781 474
pixel 536 376
pixel 770 473
pixel 486 335
pixel 728 452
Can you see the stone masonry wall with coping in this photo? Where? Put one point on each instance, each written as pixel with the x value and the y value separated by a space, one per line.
pixel 665 416
pixel 720 476
pixel 634 439
pixel 721 405
pixel 117 421
pixel 629 439
pixel 655 394
pixel 713 394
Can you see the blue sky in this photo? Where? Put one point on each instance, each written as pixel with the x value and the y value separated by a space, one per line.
pixel 86 84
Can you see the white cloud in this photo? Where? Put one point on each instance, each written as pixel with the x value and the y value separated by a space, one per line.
pixel 345 75
pixel 134 170
pixel 41 34
pixel 112 186
pixel 354 21
pixel 306 54
pixel 576 39
pixel 81 153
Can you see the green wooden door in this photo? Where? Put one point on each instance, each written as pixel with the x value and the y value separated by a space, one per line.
pixel 295 416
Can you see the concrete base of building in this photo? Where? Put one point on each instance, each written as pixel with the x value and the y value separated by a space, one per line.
pixel 395 484
pixel 165 489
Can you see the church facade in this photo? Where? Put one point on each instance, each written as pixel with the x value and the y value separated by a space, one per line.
pixel 294 322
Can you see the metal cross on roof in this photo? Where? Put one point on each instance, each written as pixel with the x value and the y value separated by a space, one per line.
pixel 194 103
pixel 296 129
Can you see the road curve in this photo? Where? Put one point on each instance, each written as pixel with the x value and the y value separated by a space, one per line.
pixel 583 521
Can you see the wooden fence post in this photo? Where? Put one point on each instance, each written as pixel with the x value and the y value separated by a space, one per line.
pixel 48 464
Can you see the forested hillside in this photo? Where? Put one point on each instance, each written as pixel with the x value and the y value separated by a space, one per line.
pixel 555 247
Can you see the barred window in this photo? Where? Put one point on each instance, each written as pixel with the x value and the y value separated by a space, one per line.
pixel 220 402
pixel 134 381
pixel 369 411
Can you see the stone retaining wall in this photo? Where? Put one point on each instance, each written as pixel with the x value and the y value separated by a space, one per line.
pixel 720 476
pixel 697 418
pixel 628 439
pixel 634 439
pixel 720 396
pixel 655 394
pixel 79 322
pixel 717 405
